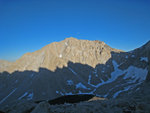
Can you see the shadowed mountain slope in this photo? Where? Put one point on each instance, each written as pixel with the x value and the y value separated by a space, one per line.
pixel 74 67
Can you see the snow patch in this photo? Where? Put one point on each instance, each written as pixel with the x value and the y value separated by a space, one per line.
pixel 116 73
pixel 7 96
pixel 66 43
pixel 70 93
pixel 95 70
pixel 136 73
pixel 72 71
pixel 25 94
pixel 96 86
pixel 103 71
pixel 117 93
pixel 102 80
pixel 60 55
pixel 61 93
pixel 96 75
pixel 89 80
pixel 57 92
pixel 30 96
pixel 132 56
pixel 69 82
pixel 84 92
pixel 92 92
pixel 144 59
pixel 126 56
pixel 133 72
pixel 80 85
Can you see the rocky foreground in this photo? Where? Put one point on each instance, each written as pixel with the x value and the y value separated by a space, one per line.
pixel 138 102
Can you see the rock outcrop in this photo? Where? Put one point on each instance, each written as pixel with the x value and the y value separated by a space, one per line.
pixel 58 54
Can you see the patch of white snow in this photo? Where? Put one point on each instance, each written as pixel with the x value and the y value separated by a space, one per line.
pixel 144 59
pixel 103 71
pixel 25 94
pixel 61 93
pixel 117 93
pixel 89 80
pixel 133 72
pixel 136 73
pixel 60 55
pixel 66 43
pixel 72 71
pixel 126 56
pixel 80 85
pixel 70 93
pixel 30 96
pixel 69 82
pixel 7 96
pixel 132 56
pixel 57 92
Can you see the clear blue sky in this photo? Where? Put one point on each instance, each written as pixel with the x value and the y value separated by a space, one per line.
pixel 28 25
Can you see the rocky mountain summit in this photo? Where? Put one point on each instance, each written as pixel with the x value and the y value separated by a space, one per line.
pixel 73 67
pixel 58 54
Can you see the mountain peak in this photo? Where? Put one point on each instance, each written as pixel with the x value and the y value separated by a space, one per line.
pixel 71 38
pixel 58 54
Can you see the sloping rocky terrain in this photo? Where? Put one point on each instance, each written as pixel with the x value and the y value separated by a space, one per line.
pixel 73 67
pixel 130 103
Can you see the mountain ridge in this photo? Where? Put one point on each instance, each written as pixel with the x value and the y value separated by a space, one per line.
pixel 74 67
pixel 57 49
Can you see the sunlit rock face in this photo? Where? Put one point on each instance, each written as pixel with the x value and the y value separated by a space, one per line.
pixel 71 67
pixel 58 54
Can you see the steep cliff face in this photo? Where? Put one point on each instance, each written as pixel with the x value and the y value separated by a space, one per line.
pixel 74 66
pixel 58 54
